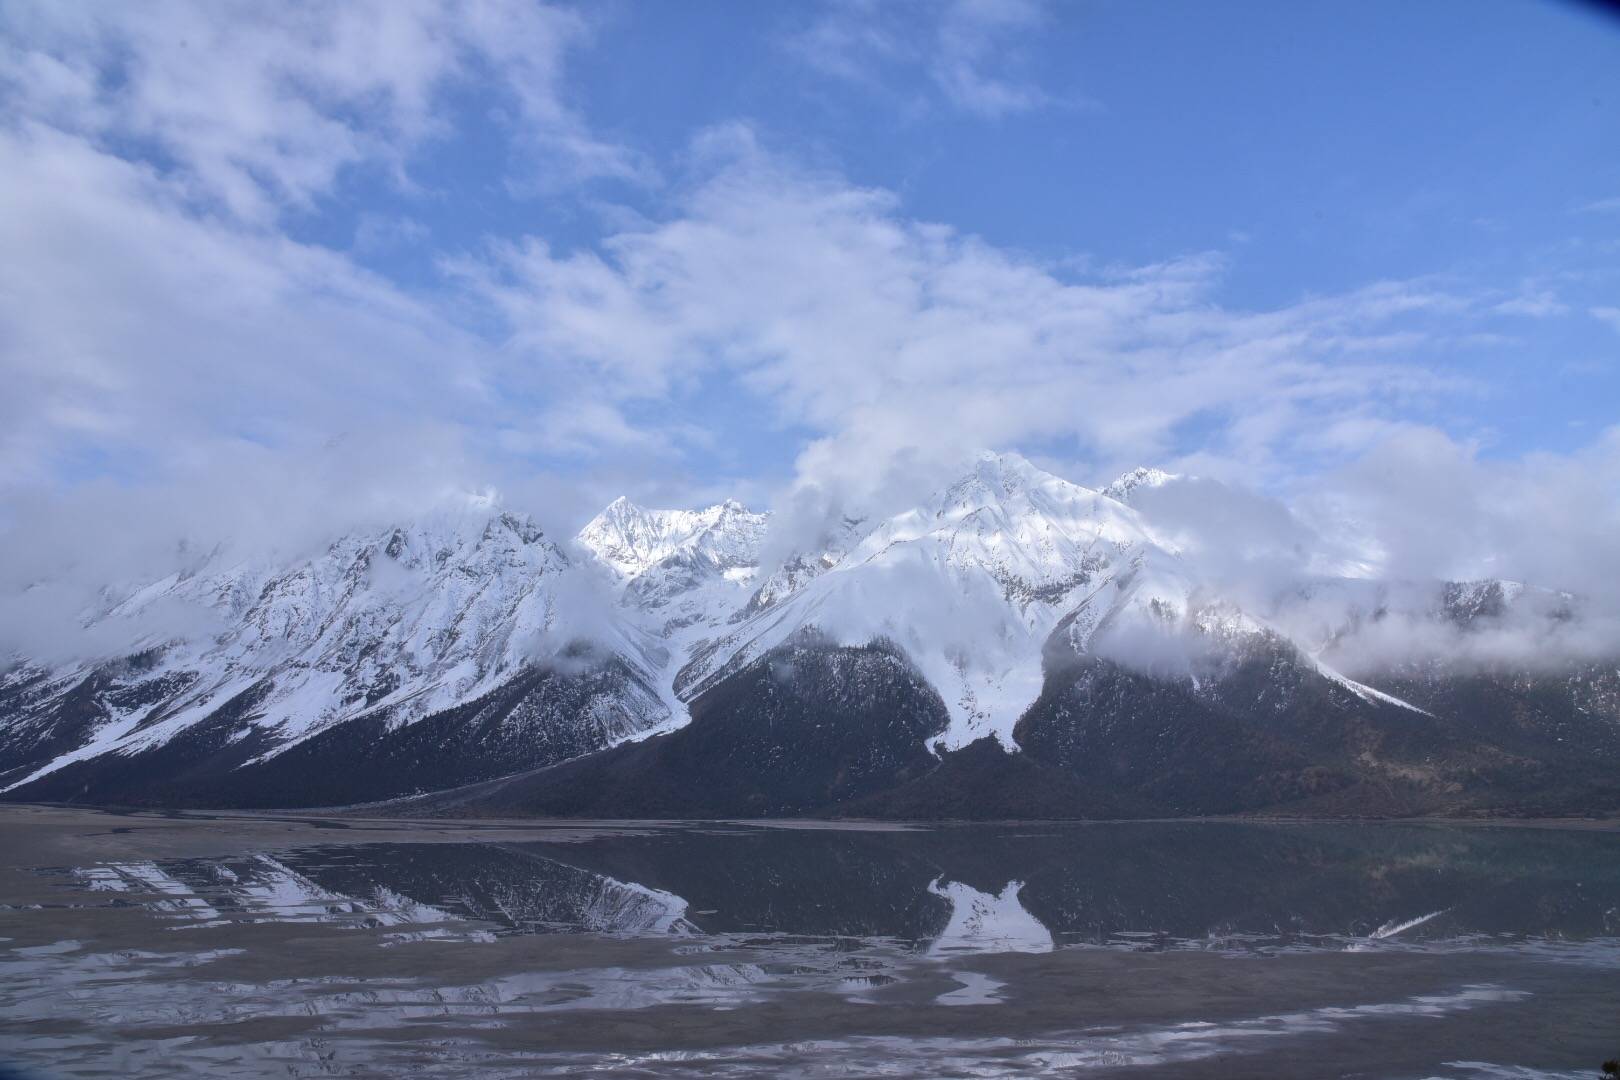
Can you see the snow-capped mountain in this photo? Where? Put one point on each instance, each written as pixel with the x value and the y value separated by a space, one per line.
pixel 799 568
pixel 971 585
pixel 391 627
pixel 1127 485
pixel 631 541
pixel 679 568
pixel 1055 624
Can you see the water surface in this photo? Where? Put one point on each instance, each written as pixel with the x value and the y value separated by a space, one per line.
pixel 715 950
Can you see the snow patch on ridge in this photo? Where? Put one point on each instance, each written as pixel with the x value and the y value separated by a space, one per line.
pixel 1365 692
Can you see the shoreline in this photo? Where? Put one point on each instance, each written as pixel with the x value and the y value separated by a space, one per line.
pixel 36 834
pixel 358 813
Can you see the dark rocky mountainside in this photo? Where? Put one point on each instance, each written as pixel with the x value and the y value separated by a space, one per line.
pixel 815 729
pixel 809 727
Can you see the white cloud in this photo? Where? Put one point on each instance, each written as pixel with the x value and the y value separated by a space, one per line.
pixel 1609 315
pixel 1534 304
pixel 157 325
pixel 967 52
pixel 262 106
pixel 891 337
pixel 147 337
pixel 1426 506
pixel 1355 561
pixel 1600 206
pixel 144 334
pixel 972 35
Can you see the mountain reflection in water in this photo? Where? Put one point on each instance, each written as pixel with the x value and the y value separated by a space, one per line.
pixel 952 889
pixel 972 950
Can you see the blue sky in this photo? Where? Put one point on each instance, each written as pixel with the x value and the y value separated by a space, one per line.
pixel 692 249
pixel 1330 144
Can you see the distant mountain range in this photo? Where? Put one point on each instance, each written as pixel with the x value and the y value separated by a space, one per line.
pixel 1013 646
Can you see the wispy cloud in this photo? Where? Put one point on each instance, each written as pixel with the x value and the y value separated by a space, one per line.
pixel 1534 304
pixel 260 107
pixel 966 52
pixel 158 322
pixel 1610 315
pixel 830 307
pixel 1600 206
pixel 973 36
pixel 139 333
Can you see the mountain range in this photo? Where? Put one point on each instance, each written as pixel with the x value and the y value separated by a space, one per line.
pixel 1012 646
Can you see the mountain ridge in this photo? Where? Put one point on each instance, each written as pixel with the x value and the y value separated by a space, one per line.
pixel 1054 620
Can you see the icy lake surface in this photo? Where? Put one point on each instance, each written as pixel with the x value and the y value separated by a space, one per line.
pixel 368 949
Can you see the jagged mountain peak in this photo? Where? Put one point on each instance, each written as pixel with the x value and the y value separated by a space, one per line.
pixel 1140 477
pixel 1002 513
pixel 477 522
pixel 631 539
pixel 996 477
pixel 969 585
